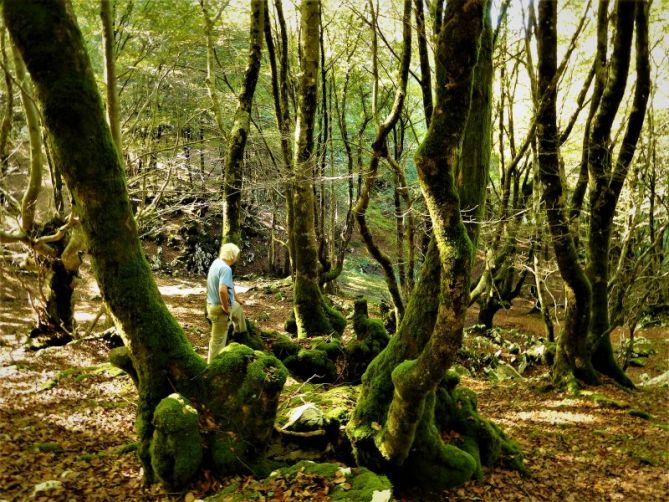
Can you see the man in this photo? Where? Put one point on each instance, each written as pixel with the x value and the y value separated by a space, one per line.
pixel 223 306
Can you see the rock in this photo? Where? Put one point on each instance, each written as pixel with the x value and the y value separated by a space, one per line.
pixel 307 417
pixel 461 370
pixel 502 372
pixel 643 347
pixel 8 370
pixel 537 352
pixel 47 486
pixel 68 474
pixel 659 381
pixel 176 446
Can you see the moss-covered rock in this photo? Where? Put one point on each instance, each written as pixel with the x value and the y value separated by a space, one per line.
pixel 330 345
pixel 283 346
pixel 337 402
pixel 312 364
pixel 244 387
pixel 291 325
pixel 176 446
pixel 251 337
pixel 371 339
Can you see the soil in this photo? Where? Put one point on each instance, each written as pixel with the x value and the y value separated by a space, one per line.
pixel 66 416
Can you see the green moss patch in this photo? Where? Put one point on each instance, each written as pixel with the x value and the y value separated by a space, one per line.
pixel 176 446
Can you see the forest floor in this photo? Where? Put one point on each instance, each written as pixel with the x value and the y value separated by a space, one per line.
pixel 66 416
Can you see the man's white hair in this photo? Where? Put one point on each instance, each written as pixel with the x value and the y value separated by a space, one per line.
pixel 229 251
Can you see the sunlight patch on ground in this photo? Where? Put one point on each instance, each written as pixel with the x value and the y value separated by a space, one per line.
pixel 88 317
pixel 555 417
pixel 181 290
pixel 196 312
pixel 565 403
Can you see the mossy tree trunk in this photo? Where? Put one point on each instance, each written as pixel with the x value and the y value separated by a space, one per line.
pixel 240 383
pixel 608 176
pixel 573 359
pixel 311 312
pixel 406 403
pixel 113 108
pixel 7 117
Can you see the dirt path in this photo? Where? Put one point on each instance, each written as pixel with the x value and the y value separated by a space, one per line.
pixel 67 417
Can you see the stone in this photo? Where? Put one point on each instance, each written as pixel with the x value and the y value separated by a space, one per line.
pixel 307 417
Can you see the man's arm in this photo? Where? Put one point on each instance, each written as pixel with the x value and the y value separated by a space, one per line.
pixel 237 299
pixel 225 298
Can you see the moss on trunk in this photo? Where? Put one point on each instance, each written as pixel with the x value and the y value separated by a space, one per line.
pixel 403 410
pixel 163 359
pixel 312 315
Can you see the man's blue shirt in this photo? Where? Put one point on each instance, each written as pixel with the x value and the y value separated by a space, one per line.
pixel 219 273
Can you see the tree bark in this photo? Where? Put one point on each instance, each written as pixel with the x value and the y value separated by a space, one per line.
pixel 404 403
pixel 380 150
pixel 234 157
pixel 113 110
pixel 312 315
pixel 608 179
pixel 157 350
pixel 573 359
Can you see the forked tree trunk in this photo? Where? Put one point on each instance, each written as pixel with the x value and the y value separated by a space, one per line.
pixel 158 353
pixel 608 177
pixel 405 402
pixel 573 358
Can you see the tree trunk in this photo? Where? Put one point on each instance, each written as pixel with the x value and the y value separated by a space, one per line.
pixel 607 179
pixel 380 150
pixel 405 403
pixel 158 352
pixel 29 201
pixel 573 359
pixel 425 71
pixel 282 112
pixel 113 111
pixel 312 316
pixel 234 157
pixel 7 118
